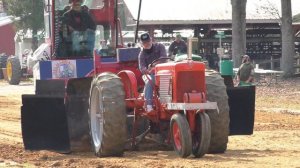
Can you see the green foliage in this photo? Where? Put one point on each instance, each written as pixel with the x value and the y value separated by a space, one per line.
pixel 296 18
pixel 268 8
pixel 31 13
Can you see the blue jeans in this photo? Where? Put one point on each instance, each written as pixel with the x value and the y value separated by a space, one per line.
pixel 148 89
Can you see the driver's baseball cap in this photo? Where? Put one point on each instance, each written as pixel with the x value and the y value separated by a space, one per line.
pixel 145 37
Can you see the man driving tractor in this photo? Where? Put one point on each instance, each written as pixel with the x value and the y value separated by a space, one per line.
pixel 78 30
pixel 151 51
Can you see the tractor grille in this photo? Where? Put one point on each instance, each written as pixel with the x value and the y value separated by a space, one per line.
pixel 165 89
pixel 187 82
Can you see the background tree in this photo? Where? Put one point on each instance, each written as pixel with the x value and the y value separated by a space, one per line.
pixel 269 8
pixel 31 13
pixel 238 30
pixel 288 45
pixel 288 37
pixel 296 18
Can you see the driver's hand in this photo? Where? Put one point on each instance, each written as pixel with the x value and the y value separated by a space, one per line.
pixel 151 70
pixel 145 71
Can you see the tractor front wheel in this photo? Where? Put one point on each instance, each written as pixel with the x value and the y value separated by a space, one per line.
pixel 181 135
pixel 201 137
pixel 107 114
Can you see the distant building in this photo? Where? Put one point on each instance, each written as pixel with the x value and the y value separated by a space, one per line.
pixel 7 31
pixel 206 19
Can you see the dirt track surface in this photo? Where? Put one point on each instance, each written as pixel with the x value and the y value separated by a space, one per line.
pixel 275 142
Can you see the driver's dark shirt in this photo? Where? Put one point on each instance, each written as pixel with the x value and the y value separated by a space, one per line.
pixel 75 24
pixel 145 58
pixel 79 21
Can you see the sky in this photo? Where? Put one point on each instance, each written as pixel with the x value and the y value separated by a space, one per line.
pixel 193 9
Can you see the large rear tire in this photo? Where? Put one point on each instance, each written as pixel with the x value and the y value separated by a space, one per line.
pixel 201 137
pixel 107 114
pixel 181 135
pixel 13 70
pixel 216 92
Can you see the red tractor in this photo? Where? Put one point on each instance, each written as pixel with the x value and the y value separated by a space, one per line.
pixel 180 100
pixel 93 102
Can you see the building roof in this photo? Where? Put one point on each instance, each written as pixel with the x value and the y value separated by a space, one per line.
pixel 168 10
pixel 199 22
pixel 5 20
pixel 178 14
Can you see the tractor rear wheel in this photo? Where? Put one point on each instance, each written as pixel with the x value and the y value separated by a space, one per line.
pixel 181 135
pixel 201 137
pixel 107 114
pixel 13 70
pixel 216 92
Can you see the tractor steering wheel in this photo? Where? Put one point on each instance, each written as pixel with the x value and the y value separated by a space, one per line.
pixel 158 59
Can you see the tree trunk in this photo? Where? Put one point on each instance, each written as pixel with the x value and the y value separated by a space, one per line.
pixel 288 45
pixel 34 40
pixel 238 30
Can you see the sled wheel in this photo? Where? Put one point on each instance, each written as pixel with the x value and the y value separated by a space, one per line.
pixel 201 137
pixel 181 135
pixel 107 114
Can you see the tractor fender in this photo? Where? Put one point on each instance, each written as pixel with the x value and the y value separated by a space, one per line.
pixel 129 81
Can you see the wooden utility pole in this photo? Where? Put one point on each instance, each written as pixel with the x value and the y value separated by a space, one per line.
pixel 287 42
pixel 238 30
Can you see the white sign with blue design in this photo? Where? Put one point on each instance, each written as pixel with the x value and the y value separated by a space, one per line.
pixel 64 69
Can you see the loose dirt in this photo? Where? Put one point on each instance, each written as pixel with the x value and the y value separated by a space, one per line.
pixel 275 142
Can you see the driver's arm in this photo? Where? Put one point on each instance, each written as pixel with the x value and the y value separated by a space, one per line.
pixel 142 63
